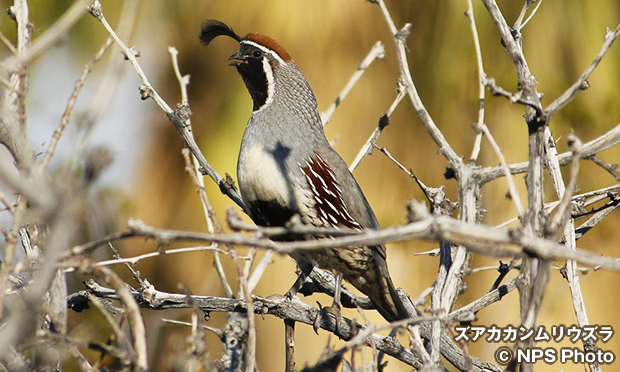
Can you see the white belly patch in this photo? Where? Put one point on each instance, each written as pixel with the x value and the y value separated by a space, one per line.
pixel 262 176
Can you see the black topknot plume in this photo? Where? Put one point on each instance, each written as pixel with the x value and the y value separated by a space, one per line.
pixel 213 28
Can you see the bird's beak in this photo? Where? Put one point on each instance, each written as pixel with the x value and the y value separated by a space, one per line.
pixel 237 59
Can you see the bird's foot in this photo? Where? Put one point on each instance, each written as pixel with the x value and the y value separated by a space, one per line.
pixel 291 293
pixel 301 278
pixel 324 314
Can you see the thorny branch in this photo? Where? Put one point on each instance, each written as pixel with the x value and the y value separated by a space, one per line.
pixel 478 238
pixel 298 311
pixel 535 276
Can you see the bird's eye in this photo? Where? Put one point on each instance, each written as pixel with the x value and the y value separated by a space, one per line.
pixel 257 53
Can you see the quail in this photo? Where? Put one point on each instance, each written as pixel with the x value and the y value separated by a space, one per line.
pixel 286 167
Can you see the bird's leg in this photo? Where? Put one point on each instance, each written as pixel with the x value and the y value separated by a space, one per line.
pixel 296 286
pixel 305 268
pixel 334 309
pixel 336 303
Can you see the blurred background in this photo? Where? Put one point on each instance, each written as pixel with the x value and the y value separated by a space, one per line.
pixel 327 39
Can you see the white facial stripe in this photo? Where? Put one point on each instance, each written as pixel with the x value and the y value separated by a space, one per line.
pixel 264 49
pixel 270 84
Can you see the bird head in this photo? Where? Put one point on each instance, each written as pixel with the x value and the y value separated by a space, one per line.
pixel 260 60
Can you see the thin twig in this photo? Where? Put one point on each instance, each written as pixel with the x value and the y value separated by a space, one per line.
pixel 211 222
pixel 372 140
pixel 259 270
pixel 136 259
pixel 9 206
pixel 514 194
pixel 81 361
pixel 532 14
pixel 136 322
pixel 216 331
pixel 51 36
pixel 518 97
pixel 247 296
pixel 399 37
pixel 519 21
pixel 481 76
pixel 179 118
pixel 247 266
pixel 435 196
pixel 377 52
pixel 194 172
pixel 582 82
pixel 118 333
pixel 483 302
pixel 562 212
pixel 182 79
pixel 12 87
pixel 289 345
pixel 611 168
pixel 72 99
pixel 597 217
pixel 582 200
pixel 7 43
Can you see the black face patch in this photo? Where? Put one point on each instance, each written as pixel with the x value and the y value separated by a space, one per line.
pixel 253 73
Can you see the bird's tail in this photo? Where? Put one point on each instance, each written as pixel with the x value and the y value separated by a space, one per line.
pixel 378 286
pixel 387 301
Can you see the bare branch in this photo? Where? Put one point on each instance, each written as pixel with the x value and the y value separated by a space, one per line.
pixel 301 313
pixel 51 36
pixel 178 117
pixel 582 82
pixel 372 140
pixel 562 212
pixel 611 168
pixel 481 78
pixel 597 217
pixel 136 259
pixel 528 3
pixel 399 40
pixel 518 97
pixel 135 318
pixel 377 52
pixel 514 194
pixel 476 237
pixel 595 146
pixel 490 298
